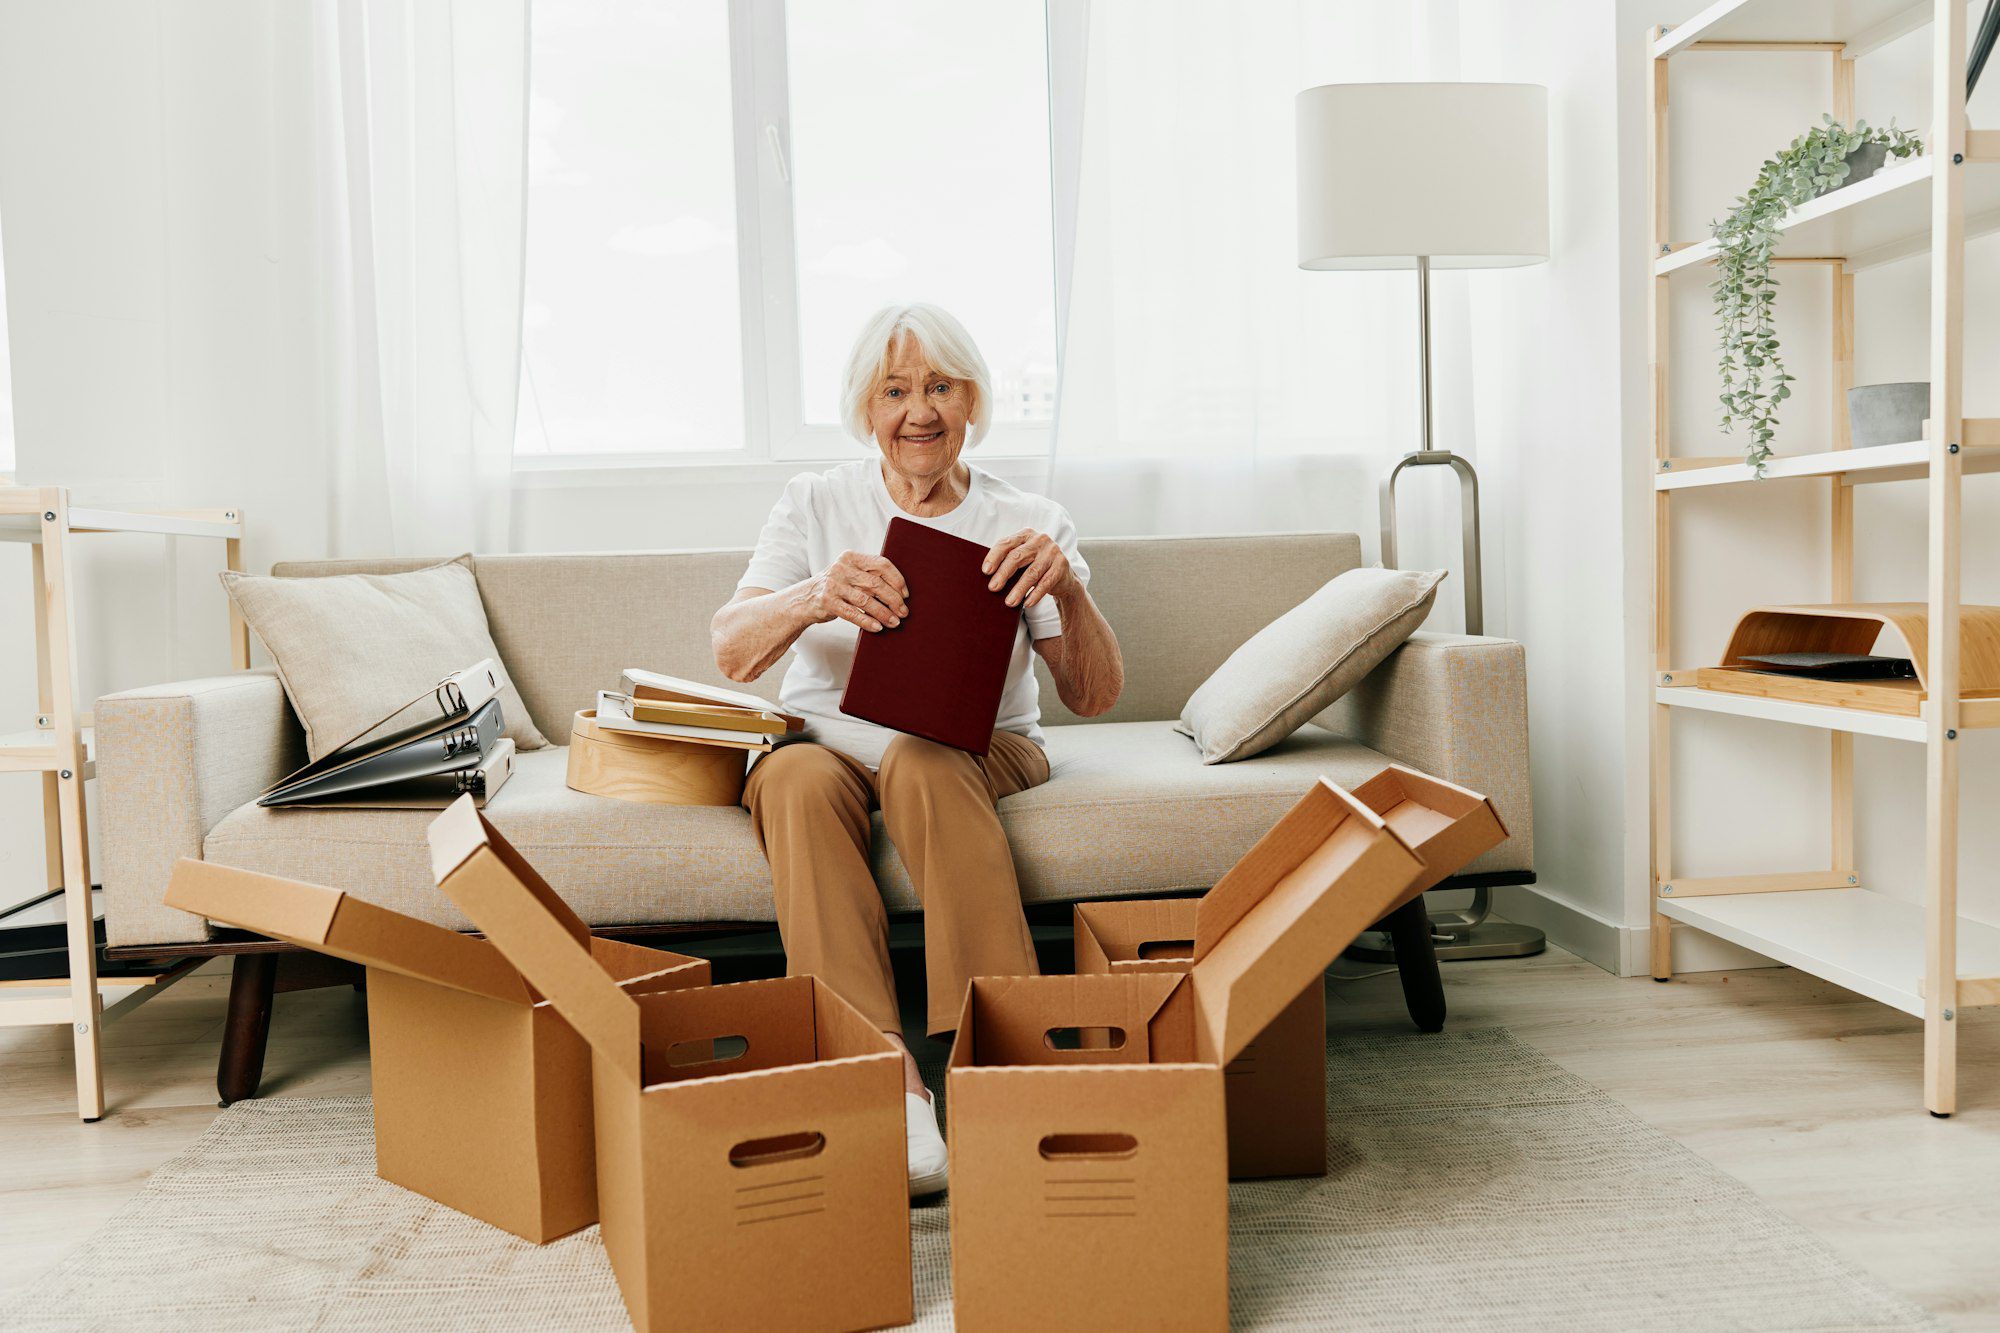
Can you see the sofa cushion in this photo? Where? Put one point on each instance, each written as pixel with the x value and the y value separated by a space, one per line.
pixel 354 649
pixel 1128 809
pixel 1301 663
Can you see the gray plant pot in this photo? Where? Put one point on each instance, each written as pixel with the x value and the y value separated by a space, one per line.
pixel 1887 413
pixel 1864 162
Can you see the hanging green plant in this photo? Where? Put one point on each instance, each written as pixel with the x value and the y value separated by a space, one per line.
pixel 1824 158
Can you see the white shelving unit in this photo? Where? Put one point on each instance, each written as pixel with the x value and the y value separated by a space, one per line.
pixel 62 751
pixel 1914 953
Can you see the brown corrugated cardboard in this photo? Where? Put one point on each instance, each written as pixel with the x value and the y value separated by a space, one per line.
pixel 482 1090
pixel 1276 1089
pixel 751 1170
pixel 1088 1149
pixel 1448 824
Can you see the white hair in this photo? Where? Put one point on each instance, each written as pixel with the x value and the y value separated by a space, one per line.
pixel 946 347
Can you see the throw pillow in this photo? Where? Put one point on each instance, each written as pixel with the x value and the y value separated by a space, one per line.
pixel 353 648
pixel 1296 666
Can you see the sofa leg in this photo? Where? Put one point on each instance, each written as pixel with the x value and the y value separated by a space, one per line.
pixel 1409 928
pixel 252 983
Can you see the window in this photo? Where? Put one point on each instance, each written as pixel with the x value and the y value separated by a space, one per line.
pixel 719 194
pixel 630 335
pixel 6 386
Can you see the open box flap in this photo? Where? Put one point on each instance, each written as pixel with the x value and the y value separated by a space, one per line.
pixel 509 900
pixel 1324 873
pixel 1446 824
pixel 329 921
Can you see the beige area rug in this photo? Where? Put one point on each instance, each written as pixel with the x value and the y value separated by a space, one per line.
pixel 1473 1184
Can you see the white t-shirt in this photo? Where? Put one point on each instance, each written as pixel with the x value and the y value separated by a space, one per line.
pixel 848 508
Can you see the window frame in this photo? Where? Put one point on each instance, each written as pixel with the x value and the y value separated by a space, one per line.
pixel 774 427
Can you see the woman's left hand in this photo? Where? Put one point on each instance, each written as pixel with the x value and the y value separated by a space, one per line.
pixel 1043 567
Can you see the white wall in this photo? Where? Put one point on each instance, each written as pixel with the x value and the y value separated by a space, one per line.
pixel 145 195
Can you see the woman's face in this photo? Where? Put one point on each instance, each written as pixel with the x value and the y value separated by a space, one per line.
pixel 919 416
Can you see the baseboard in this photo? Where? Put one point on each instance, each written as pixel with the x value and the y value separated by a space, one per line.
pixel 1623 951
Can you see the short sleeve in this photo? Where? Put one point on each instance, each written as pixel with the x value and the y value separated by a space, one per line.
pixel 780 558
pixel 1044 619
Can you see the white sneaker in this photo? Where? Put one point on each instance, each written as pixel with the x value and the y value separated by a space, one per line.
pixel 928 1157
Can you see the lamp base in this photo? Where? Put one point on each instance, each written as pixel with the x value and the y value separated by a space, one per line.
pixel 1460 935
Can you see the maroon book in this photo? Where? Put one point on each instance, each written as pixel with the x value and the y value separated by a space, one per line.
pixel 941 672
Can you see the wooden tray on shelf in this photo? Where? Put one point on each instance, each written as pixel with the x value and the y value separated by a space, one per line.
pixel 1854 627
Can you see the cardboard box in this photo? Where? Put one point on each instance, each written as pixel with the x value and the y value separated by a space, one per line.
pixel 1090 1182
pixel 482 1090
pixel 751 1168
pixel 1276 1089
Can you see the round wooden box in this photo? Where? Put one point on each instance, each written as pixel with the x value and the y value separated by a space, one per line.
pixel 651 769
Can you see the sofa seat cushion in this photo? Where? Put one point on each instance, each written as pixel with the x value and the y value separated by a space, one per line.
pixel 1129 809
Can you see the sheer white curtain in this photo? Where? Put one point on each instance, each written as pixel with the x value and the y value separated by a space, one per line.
pixel 420 113
pixel 1208 384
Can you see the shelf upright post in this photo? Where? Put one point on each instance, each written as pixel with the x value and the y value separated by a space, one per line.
pixel 1946 469
pixel 1840 496
pixel 57 617
pixel 1660 860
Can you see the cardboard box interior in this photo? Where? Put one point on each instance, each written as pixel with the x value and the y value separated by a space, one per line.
pixel 1448 825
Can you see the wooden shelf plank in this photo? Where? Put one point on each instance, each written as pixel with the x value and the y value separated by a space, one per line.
pixel 1859 25
pixel 26 526
pixel 1883 218
pixel 1882 462
pixel 1826 718
pixel 1866 941
pixel 35 752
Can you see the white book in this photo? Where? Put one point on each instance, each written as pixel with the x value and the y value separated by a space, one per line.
pixel 644 684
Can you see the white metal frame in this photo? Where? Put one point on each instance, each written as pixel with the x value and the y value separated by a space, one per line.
pixel 61 750
pixel 1825 921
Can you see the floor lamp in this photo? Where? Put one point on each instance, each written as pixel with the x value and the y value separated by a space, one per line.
pixel 1429 176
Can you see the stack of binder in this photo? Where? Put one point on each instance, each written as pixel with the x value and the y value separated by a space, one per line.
pixel 443 744
pixel 669 708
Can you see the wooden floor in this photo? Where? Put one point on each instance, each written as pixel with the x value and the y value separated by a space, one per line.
pixel 1809 1095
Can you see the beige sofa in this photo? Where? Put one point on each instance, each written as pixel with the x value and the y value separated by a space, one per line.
pixel 1128 809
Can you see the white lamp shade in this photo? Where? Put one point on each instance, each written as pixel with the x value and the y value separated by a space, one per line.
pixel 1457 172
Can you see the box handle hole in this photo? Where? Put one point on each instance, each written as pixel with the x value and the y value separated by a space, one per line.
pixel 706 1051
pixel 1167 949
pixel 1071 1147
pixel 1084 1039
pixel 778 1148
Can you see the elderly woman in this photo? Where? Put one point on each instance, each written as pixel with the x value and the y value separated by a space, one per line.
pixel 918 388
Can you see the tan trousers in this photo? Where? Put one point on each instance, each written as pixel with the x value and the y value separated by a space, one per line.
pixel 810 806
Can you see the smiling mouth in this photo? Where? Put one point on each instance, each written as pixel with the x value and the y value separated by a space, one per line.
pixel 932 438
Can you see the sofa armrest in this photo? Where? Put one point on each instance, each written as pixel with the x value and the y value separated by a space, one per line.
pixel 172 761
pixel 1455 706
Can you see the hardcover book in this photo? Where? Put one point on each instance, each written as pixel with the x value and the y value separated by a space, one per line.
pixel 940 673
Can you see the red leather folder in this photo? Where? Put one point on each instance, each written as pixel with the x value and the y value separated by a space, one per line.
pixel 941 672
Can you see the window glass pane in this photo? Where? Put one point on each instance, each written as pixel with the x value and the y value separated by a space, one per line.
pixel 6 384
pixel 920 172
pixel 630 323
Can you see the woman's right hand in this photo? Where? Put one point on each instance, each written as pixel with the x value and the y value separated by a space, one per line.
pixel 864 590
